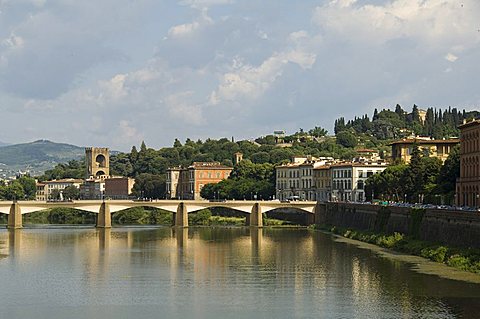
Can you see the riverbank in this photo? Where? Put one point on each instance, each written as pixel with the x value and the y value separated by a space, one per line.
pixel 465 259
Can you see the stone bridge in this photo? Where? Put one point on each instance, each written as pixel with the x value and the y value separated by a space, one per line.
pixel 180 208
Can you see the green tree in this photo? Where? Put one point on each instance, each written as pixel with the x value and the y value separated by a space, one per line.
pixel 318 131
pixel 29 186
pixel 54 194
pixel 71 192
pixel 13 191
pixel 149 186
pixel 346 139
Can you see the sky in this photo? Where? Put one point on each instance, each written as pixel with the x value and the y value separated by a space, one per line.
pixel 115 72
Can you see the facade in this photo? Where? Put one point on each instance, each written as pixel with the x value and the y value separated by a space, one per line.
pixel 348 179
pixel 44 190
pixel 98 162
pixel 468 184
pixel 323 182
pixel 296 179
pixel 402 149
pixel 186 183
pixel 93 188
pixel 119 187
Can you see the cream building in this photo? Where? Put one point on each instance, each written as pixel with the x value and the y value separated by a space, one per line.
pixel 348 179
pixel 323 182
pixel 402 149
pixel 295 180
pixel 44 189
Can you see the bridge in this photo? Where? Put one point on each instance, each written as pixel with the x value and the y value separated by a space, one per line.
pixel 180 208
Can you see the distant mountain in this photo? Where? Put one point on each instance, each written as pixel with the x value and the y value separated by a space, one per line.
pixel 37 156
pixel 3 144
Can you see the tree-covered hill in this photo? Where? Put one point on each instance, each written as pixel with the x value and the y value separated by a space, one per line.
pixel 38 156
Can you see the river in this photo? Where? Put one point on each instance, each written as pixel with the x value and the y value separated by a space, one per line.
pixel 142 272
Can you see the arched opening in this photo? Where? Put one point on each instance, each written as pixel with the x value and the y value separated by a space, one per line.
pixel 59 216
pixel 142 215
pixel 217 216
pixel 100 173
pixel 3 219
pixel 286 216
pixel 101 160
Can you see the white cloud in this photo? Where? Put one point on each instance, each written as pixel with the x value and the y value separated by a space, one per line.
pixel 451 57
pixel 245 81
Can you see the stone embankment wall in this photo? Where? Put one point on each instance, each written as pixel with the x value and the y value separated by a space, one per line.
pixel 455 228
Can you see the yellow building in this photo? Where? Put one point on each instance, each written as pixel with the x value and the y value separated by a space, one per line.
pixel 322 180
pixel 468 185
pixel 402 149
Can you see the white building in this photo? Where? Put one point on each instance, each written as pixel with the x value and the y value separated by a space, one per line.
pixel 296 179
pixel 45 189
pixel 348 179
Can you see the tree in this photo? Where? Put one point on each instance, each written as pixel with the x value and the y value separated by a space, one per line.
pixel 29 187
pixel 177 143
pixel 449 173
pixel 260 157
pixel 318 131
pixel 414 181
pixel 54 194
pixel 13 191
pixel 71 192
pixel 150 186
pixel 346 139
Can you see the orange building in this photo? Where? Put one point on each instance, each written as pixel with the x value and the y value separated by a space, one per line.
pixel 468 185
pixel 186 183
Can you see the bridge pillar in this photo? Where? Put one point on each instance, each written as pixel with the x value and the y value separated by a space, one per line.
pixel 15 217
pixel 319 213
pixel 310 219
pixel 181 217
pixel 256 217
pixel 104 218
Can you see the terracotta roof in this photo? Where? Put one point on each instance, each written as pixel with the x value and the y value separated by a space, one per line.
pixel 471 123
pixel 421 141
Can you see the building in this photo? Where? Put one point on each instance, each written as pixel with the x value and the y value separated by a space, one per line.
pixel 93 188
pixel 118 187
pixel 348 179
pixel 45 189
pixel 186 183
pixel 323 182
pixel 468 184
pixel 296 179
pixel 237 158
pixel 98 162
pixel 402 149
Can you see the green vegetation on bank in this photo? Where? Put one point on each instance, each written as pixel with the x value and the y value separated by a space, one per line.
pixel 467 259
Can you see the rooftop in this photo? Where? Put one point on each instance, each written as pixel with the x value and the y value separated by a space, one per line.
pixel 424 141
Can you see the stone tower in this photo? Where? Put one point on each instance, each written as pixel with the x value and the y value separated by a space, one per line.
pixel 98 162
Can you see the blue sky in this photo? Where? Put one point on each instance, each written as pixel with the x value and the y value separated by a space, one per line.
pixel 116 72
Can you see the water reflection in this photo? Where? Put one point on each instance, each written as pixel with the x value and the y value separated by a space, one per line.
pixel 214 272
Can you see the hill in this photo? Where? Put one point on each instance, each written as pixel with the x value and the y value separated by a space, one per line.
pixel 37 156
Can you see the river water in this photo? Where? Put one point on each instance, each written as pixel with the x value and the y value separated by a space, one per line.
pixel 214 273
